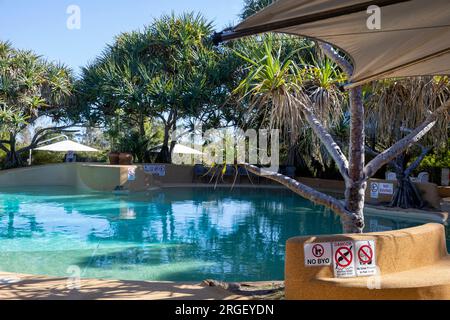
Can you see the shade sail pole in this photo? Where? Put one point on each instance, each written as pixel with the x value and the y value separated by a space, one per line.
pixel 231 34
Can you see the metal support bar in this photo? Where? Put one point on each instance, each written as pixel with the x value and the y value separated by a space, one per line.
pixel 232 34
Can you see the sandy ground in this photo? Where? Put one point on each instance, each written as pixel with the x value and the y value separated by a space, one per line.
pixel 17 286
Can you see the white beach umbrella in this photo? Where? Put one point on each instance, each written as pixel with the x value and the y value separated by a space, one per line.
pixel 66 146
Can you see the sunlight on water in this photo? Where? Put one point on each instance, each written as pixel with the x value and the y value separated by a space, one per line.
pixel 175 234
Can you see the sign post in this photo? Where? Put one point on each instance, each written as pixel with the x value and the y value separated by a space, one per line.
pixel 374 190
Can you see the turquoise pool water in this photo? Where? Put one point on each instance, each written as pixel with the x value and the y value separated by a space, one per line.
pixel 175 234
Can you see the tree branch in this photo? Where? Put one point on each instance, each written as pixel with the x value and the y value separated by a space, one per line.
pixel 2 147
pixel 386 156
pixel 336 57
pixel 40 134
pixel 325 137
pixel 418 161
pixel 303 190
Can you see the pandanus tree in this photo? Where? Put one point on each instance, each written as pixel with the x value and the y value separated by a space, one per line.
pixel 285 95
pixel 31 88
pixel 168 72
pixel 276 66
pixel 190 73
pixel 393 108
pixel 114 91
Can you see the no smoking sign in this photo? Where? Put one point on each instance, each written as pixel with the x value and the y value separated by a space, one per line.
pixel 343 259
pixel 365 260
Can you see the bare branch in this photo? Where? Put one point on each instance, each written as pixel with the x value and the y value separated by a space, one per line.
pixel 336 57
pixel 418 161
pixel 386 156
pixel 325 137
pixel 303 190
pixel 370 151
pixel 40 134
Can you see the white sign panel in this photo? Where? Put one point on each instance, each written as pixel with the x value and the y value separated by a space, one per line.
pixel 344 259
pixel 374 190
pixel 317 254
pixel 159 170
pixel 131 174
pixel 365 258
pixel 386 188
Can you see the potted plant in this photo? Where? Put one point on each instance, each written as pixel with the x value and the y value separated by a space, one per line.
pixel 125 158
pixel 114 157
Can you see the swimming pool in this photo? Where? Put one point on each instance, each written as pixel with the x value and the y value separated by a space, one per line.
pixel 171 234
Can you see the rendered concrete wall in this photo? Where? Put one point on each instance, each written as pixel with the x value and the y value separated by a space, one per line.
pixel 48 175
pixel 97 177
pixel 413 263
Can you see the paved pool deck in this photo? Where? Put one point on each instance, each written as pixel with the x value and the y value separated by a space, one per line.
pixel 30 287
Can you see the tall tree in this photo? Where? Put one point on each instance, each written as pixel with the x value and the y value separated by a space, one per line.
pixel 31 88
pixel 170 72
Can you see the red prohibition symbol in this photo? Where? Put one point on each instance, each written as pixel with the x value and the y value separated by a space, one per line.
pixel 343 257
pixel 365 254
pixel 318 250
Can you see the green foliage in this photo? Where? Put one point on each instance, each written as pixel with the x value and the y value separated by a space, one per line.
pixel 168 71
pixel 45 157
pixel 439 159
pixel 281 80
pixel 30 88
pixel 253 6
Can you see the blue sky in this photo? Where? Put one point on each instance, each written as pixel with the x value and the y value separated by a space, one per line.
pixel 40 25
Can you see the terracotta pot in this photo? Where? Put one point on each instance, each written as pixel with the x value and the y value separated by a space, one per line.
pixel 113 157
pixel 125 159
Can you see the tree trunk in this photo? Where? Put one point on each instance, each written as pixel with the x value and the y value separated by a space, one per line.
pixel 164 155
pixel 13 159
pixel 406 195
pixel 356 184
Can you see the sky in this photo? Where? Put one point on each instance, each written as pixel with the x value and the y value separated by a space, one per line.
pixel 41 25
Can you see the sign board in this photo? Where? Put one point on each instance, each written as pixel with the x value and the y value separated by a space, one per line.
pixel 159 170
pixel 445 175
pixel 386 188
pixel 344 259
pixel 365 258
pixel 317 254
pixel 374 190
pixel 131 174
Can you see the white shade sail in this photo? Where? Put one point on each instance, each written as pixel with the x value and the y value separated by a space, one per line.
pixel 66 146
pixel 413 39
pixel 181 149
